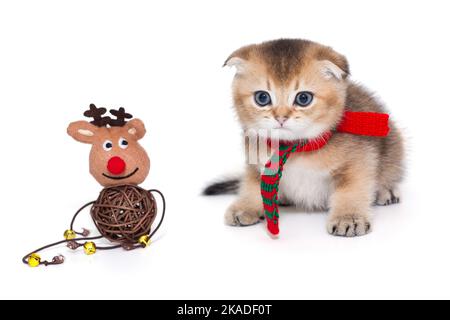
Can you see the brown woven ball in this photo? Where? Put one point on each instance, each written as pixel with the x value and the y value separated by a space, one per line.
pixel 124 213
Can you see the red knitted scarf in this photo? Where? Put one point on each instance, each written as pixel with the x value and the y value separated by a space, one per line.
pixel 359 123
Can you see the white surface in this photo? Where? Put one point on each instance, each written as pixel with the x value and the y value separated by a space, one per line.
pixel 162 61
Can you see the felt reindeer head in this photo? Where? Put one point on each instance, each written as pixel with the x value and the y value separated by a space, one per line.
pixel 116 156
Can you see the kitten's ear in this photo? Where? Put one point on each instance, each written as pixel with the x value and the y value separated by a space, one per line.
pixel 333 64
pixel 238 63
pixel 330 70
pixel 238 59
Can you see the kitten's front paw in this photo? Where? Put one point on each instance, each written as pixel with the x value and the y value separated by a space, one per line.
pixel 349 225
pixel 239 217
pixel 386 197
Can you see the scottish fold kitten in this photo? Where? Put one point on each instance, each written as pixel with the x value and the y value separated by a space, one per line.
pixel 300 89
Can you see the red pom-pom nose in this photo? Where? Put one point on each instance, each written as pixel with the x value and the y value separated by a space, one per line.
pixel 116 165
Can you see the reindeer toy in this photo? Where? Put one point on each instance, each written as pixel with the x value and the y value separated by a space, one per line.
pixel 124 212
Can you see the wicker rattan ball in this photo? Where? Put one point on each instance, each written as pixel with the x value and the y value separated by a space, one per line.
pixel 124 213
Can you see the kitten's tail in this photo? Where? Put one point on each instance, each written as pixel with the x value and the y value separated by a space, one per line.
pixel 226 186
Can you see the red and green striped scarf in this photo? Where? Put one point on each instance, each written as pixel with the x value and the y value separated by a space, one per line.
pixel 359 123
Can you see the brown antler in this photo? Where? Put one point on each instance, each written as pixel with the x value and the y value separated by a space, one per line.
pixel 97 114
pixel 121 116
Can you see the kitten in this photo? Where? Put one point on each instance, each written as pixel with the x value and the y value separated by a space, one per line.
pixel 300 89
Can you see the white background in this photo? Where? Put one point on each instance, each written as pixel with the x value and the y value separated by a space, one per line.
pixel 162 60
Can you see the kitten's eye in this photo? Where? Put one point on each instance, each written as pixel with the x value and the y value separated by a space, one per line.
pixel 107 146
pixel 262 98
pixel 304 99
pixel 123 143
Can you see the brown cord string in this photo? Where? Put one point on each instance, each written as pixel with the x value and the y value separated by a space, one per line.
pixel 58 259
pixel 163 212
pixel 85 232
pixel 132 211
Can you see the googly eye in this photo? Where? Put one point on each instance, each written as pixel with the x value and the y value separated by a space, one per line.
pixel 123 143
pixel 107 146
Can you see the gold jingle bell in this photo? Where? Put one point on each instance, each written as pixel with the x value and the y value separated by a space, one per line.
pixel 69 235
pixel 34 260
pixel 145 241
pixel 90 248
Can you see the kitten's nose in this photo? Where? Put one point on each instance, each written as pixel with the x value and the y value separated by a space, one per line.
pixel 281 120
